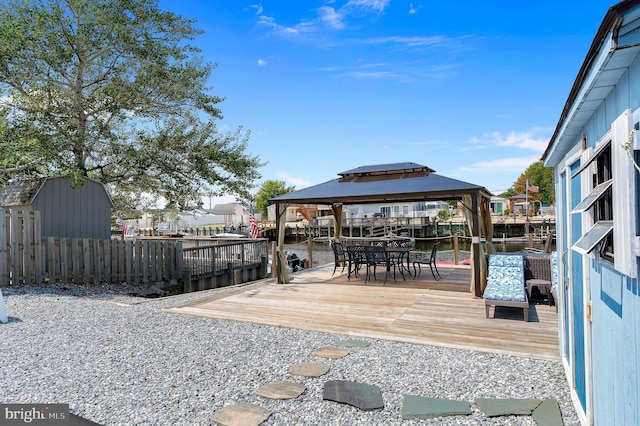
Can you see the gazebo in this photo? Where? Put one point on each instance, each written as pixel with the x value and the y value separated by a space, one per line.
pixel 394 183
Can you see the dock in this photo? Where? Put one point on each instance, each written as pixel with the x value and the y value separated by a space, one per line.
pixel 422 311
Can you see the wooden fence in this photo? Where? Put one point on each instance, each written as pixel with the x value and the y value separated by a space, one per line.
pixel 27 257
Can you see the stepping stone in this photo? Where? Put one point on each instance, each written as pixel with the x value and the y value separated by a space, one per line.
pixel 242 414
pixel 281 390
pixel 360 395
pixel 331 352
pixel 493 407
pixel 309 369
pixel 418 407
pixel 548 413
pixel 351 343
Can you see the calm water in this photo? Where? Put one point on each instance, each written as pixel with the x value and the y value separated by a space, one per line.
pixel 322 253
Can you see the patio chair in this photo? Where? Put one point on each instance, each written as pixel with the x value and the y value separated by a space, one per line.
pixel 377 256
pixel 505 283
pixel 339 256
pixel 423 258
pixel 538 275
pixel 554 278
pixel 356 257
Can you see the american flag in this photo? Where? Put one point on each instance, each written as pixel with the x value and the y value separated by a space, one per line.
pixel 255 232
pixel 532 188
pixel 121 223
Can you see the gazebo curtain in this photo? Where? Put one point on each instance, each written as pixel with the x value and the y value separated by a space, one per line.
pixel 336 209
pixel 283 269
pixel 467 202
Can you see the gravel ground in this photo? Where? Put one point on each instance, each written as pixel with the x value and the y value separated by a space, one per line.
pixel 121 360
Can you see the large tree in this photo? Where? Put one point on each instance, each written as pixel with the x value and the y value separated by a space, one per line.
pixel 270 189
pixel 113 90
pixel 537 175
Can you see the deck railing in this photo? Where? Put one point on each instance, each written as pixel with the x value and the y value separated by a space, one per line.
pixel 222 258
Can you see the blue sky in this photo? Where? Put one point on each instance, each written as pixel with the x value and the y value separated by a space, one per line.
pixel 471 89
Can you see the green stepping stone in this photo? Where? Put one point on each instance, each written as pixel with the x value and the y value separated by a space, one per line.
pixel 309 369
pixel 281 390
pixel 418 407
pixel 360 395
pixel 242 414
pixel 330 352
pixel 548 413
pixel 493 407
pixel 351 343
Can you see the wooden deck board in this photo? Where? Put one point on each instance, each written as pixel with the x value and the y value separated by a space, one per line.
pixel 420 311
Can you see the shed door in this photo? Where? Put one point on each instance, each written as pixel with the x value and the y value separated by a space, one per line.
pixel 577 291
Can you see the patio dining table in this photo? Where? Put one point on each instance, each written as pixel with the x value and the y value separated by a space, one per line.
pixel 398 256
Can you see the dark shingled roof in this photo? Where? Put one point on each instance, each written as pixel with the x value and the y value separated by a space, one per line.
pixel 19 193
pixel 383 183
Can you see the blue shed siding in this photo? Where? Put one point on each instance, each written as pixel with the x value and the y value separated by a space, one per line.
pixel 608 84
pixel 615 298
pixel 616 355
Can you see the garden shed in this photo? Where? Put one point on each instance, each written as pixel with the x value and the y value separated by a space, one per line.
pixel 66 210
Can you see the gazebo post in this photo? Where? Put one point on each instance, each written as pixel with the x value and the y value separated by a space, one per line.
pixel 277 257
pixel 336 209
pixel 475 245
pixel 281 262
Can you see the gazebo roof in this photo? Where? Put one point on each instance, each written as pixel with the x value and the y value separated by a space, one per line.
pixel 384 183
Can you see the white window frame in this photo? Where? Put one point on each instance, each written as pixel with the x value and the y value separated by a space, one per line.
pixel 623 190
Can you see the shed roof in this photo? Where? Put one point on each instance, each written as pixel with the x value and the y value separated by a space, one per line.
pixel 615 46
pixel 22 192
pixel 224 209
pixel 19 193
pixel 384 183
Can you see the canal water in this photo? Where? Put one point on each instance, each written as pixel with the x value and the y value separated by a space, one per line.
pixel 322 253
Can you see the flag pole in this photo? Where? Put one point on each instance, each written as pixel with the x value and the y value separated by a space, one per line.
pixel 526 207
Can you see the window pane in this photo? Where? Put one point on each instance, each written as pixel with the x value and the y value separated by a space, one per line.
pixel 591 239
pixel 595 154
pixel 597 192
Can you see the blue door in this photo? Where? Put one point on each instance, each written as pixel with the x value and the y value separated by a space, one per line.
pixel 576 283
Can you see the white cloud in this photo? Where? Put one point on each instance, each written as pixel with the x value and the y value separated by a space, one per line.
pixel 300 28
pixel 258 8
pixel 377 5
pixel 327 17
pixel 413 10
pixel 513 164
pixel 522 140
pixel 299 183
pixel 262 62
pixel 330 17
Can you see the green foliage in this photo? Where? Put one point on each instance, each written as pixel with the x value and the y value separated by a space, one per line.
pixel 443 215
pixel 508 193
pixel 268 190
pixel 538 175
pixel 113 90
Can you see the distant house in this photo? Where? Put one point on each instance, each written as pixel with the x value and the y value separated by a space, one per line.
pixel 65 211
pixel 593 151
pixel 498 205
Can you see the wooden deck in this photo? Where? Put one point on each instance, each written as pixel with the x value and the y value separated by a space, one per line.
pixel 422 311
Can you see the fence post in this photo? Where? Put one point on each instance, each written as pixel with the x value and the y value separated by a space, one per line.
pixel 263 266
pixel 230 275
pixel 186 281
pixel 456 257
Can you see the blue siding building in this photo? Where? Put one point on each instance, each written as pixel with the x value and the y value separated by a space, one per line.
pixel 595 152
